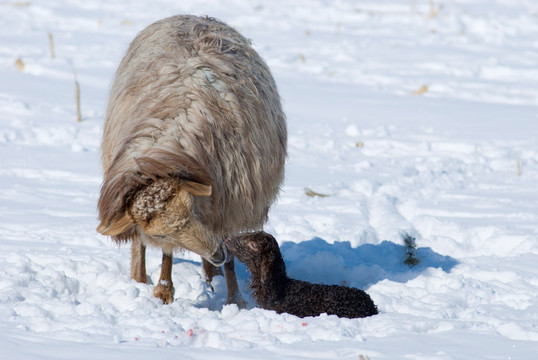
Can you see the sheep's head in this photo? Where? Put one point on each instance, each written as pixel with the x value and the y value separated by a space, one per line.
pixel 163 211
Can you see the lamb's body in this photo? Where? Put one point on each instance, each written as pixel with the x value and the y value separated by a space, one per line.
pixel 191 101
pixel 303 299
pixel 273 290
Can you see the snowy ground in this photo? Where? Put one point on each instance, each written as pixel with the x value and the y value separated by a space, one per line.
pixel 455 166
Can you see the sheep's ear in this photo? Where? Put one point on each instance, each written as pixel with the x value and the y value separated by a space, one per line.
pixel 197 189
pixel 116 227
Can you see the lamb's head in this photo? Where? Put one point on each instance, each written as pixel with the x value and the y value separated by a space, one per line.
pixel 254 248
pixel 259 251
pixel 164 213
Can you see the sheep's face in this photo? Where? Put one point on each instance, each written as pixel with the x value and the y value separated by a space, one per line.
pixel 251 249
pixel 163 211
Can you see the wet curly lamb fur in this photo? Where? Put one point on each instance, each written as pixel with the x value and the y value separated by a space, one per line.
pixel 273 290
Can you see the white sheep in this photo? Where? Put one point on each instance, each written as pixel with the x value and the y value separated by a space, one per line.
pixel 194 146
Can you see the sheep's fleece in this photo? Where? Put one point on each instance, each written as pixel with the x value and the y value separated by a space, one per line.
pixel 192 100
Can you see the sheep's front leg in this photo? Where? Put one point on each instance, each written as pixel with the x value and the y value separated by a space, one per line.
pixel 138 261
pixel 234 295
pixel 164 290
pixel 210 272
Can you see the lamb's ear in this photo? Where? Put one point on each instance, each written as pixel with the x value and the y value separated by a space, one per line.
pixel 252 245
pixel 264 269
pixel 116 227
pixel 197 189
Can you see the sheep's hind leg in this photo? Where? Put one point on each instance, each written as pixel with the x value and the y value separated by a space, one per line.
pixel 164 290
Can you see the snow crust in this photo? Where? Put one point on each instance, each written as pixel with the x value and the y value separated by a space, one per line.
pixel 414 117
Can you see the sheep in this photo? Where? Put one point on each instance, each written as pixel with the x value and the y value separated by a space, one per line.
pixel 273 290
pixel 193 149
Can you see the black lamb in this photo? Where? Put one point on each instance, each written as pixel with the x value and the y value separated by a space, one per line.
pixel 274 290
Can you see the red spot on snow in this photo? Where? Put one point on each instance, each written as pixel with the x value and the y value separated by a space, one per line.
pixel 304 324
pixel 189 333
pixel 136 339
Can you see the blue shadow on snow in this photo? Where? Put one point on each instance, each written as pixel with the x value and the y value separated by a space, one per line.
pixel 318 261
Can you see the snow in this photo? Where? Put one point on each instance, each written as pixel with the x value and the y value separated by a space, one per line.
pixel 456 167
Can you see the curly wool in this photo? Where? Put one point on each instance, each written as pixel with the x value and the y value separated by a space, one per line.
pixel 152 199
pixel 274 290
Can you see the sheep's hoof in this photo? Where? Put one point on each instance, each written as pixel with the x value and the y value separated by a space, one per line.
pixel 165 292
pixel 238 300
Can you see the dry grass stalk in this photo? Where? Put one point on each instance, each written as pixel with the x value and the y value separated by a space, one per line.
pixel 518 167
pixel 126 22
pixel 311 193
pixel 420 91
pixel 51 46
pixel 77 94
pixel 303 58
pixel 359 144
pixel 17 3
pixel 362 357
pixel 19 64
pixel 433 12
pixel 77 100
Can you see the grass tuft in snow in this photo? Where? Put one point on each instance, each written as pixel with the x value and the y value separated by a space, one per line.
pixel 420 91
pixel 411 259
pixel 19 64
pixel 311 193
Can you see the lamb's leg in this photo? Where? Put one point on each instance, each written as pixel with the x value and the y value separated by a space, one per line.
pixel 138 261
pixel 234 295
pixel 165 289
